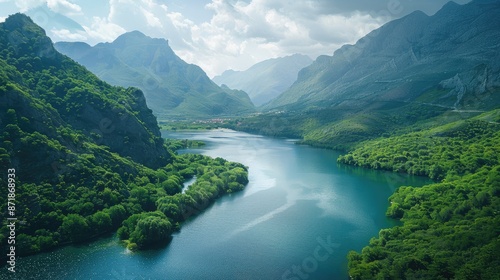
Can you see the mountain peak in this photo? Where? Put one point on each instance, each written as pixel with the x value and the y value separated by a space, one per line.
pixel 408 53
pixel 18 20
pixel 449 7
pixel 24 24
pixel 135 36
pixel 173 88
pixel 27 37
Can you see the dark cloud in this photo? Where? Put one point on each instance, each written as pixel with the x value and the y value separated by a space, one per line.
pixel 394 8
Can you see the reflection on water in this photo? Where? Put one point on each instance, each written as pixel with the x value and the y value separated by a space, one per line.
pixel 297 195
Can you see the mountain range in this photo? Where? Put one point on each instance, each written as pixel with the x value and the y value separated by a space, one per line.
pixel 82 156
pixel 418 69
pixel 52 96
pixel 449 59
pixel 265 80
pixel 173 88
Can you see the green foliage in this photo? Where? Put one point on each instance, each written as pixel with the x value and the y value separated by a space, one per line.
pixel 445 152
pixel 450 229
pixel 76 227
pixel 173 88
pixel 87 155
pixel 145 229
pixel 214 178
pixel 177 144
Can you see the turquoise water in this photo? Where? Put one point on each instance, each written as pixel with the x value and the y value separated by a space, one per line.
pixel 298 218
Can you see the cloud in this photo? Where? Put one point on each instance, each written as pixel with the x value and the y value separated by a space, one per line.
pixel 102 30
pixel 394 8
pixel 151 19
pixel 234 34
pixel 59 6
pixel 64 7
pixel 243 33
pixel 25 5
pixel 66 35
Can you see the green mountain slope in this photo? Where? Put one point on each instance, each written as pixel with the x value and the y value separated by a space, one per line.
pixel 67 94
pixel 79 156
pixel 417 70
pixel 173 88
pixel 438 60
pixel 265 80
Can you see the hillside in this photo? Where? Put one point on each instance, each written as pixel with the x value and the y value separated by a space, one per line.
pixel 419 69
pixel 442 60
pixel 420 96
pixel 80 156
pixel 172 87
pixel 449 229
pixel 265 80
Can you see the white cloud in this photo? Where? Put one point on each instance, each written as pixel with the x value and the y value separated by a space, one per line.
pixel 243 33
pixel 151 19
pixel 66 35
pixel 64 7
pixel 238 34
pixel 102 30
pixel 25 5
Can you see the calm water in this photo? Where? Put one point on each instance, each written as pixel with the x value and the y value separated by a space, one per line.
pixel 298 218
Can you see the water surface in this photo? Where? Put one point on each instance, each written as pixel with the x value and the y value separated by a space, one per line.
pixel 298 218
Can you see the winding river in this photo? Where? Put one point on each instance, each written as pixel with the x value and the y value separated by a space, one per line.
pixel 298 218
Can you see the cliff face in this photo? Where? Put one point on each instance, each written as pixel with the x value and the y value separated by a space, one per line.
pixel 47 94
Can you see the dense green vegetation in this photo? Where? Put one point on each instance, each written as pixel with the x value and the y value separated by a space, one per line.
pixel 173 88
pixel 214 177
pixel 344 128
pixel 87 155
pixel 177 144
pixel 450 229
pixel 192 125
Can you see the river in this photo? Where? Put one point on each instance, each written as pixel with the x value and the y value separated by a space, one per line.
pixel 298 218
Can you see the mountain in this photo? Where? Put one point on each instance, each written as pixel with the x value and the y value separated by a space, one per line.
pixel 72 143
pixel 449 59
pixel 267 79
pixel 55 92
pixel 49 20
pixel 173 88
pixel 81 156
pixel 412 73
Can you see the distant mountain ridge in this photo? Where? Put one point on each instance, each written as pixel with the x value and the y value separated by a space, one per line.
pixel 267 79
pixel 418 70
pixel 173 88
pixel 444 60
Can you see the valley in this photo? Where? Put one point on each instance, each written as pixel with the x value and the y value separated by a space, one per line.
pixel 387 151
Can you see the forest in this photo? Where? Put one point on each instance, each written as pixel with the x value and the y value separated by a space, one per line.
pixel 450 229
pixel 88 157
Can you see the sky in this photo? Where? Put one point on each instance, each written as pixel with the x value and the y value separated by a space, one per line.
pixel 218 35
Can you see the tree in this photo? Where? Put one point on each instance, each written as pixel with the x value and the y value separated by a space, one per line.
pixel 100 222
pixel 75 227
